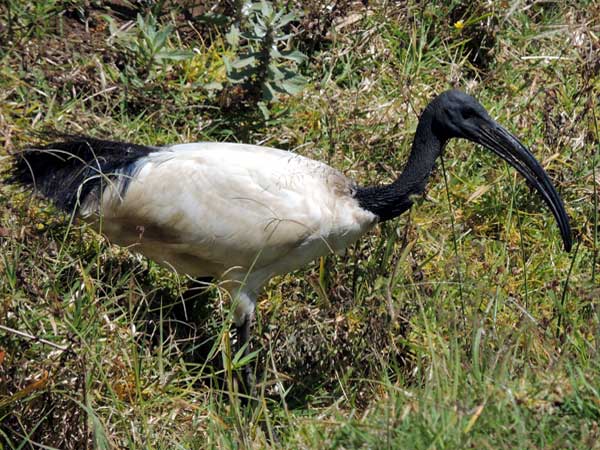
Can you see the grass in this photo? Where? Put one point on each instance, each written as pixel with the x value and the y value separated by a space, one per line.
pixel 461 324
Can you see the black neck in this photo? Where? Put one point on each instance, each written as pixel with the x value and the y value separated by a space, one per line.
pixel 391 200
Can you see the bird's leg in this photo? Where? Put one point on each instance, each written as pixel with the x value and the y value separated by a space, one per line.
pixel 243 337
pixel 244 314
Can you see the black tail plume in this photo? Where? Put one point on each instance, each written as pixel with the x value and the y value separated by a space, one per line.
pixel 68 171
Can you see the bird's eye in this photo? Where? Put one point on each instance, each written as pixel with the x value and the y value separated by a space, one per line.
pixel 468 113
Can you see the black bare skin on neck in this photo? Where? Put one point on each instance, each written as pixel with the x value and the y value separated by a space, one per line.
pixel 391 200
pixel 68 171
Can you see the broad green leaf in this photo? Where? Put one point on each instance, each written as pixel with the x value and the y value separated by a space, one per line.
pixel 260 30
pixel 266 8
pixel 293 55
pixel 264 109
pixel 140 22
pixel 268 93
pixel 274 73
pixel 294 85
pixel 160 40
pixel 243 62
pixel 284 20
pixel 251 36
pixel 276 87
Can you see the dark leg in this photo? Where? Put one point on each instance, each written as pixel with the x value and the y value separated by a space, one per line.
pixel 243 335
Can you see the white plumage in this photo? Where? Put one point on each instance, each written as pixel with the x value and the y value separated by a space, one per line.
pixel 239 213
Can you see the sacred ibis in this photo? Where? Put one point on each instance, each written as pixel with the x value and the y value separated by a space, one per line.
pixel 244 213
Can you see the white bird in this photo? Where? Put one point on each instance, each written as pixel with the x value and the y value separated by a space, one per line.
pixel 244 213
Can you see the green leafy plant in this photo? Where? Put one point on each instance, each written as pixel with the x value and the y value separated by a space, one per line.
pixel 265 65
pixel 147 45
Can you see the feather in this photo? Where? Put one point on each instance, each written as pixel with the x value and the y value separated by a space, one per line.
pixel 67 172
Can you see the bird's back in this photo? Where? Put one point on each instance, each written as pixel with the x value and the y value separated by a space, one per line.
pixel 208 207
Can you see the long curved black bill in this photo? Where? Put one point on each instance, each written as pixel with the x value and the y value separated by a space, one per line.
pixel 508 147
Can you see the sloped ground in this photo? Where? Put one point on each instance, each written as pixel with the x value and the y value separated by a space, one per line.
pixel 462 324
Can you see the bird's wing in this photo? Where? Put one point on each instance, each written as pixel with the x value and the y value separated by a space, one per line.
pixel 229 204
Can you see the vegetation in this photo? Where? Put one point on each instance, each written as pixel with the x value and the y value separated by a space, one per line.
pixel 462 324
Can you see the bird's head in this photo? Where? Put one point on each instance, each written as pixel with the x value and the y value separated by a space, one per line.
pixel 458 115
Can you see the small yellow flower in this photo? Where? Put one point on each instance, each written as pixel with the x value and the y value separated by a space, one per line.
pixel 459 25
pixel 40 226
